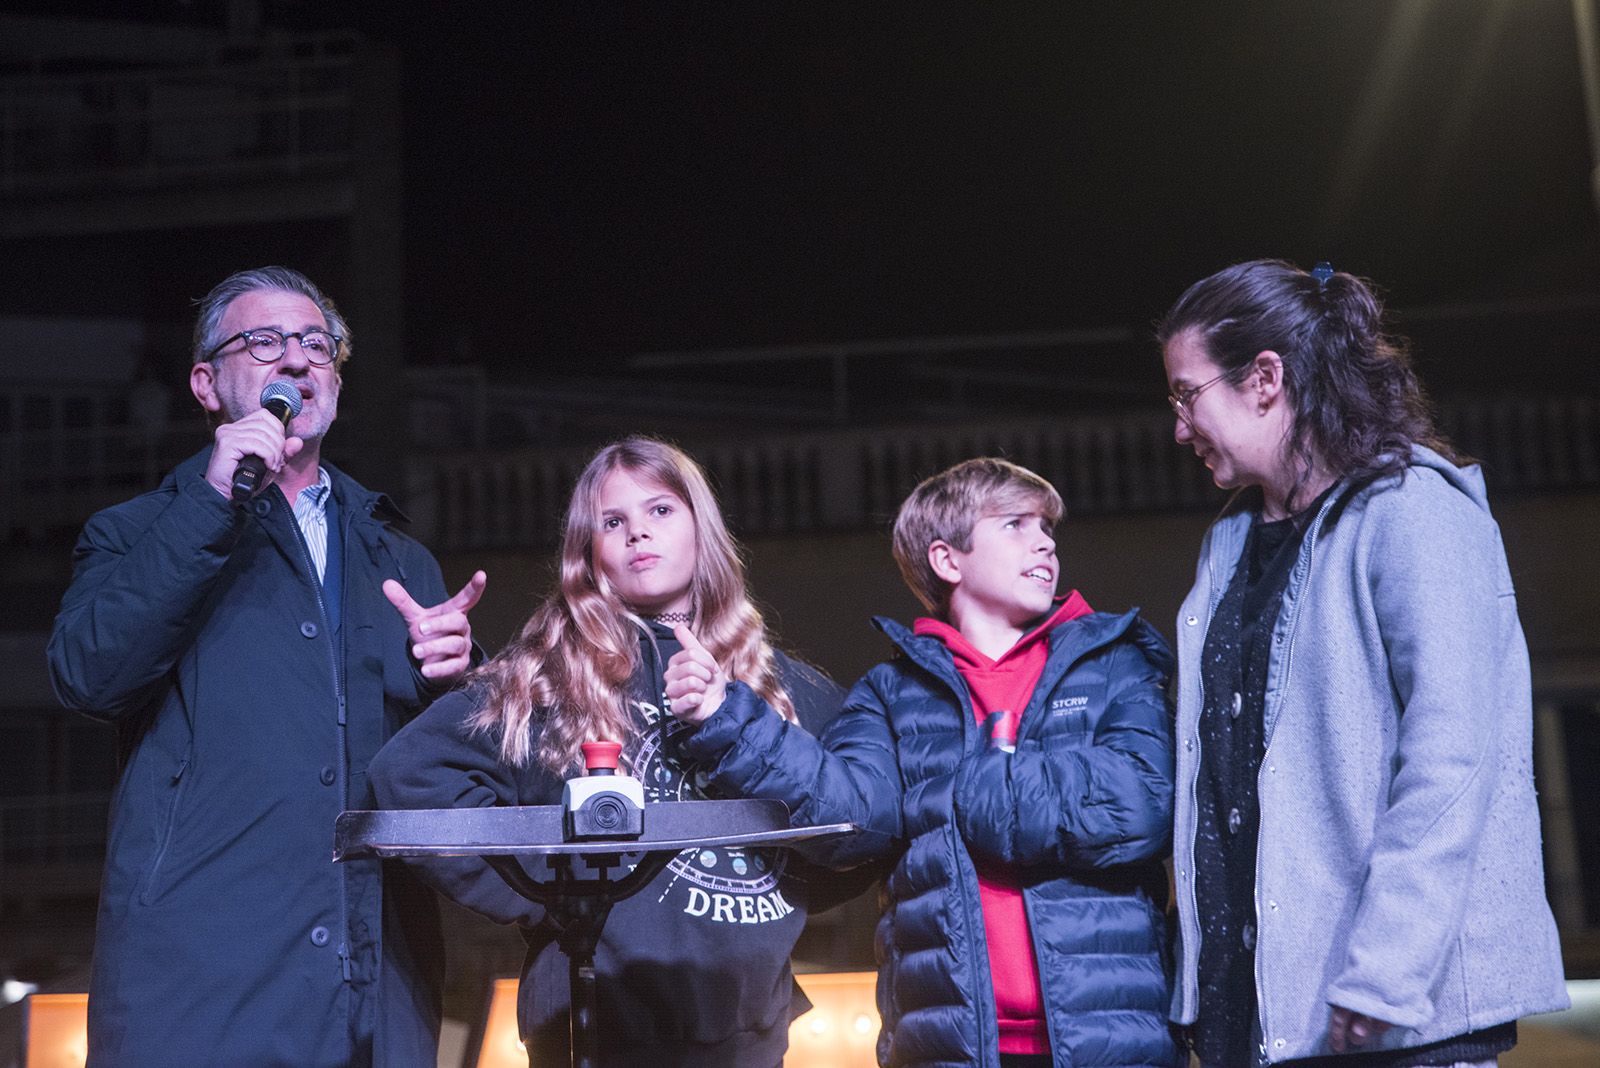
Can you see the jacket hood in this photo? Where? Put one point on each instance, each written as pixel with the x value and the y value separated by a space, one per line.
pixel 1468 479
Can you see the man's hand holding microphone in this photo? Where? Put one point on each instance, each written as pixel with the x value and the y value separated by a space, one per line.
pixel 247 449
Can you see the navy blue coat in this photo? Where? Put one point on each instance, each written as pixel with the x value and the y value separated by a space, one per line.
pixel 249 698
pixel 1082 810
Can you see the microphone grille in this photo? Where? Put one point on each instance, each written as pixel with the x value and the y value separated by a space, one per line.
pixel 285 392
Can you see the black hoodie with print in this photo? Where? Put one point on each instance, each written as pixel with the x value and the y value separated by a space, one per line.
pixel 691 970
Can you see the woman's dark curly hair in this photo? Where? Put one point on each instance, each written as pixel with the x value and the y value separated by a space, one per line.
pixel 1357 403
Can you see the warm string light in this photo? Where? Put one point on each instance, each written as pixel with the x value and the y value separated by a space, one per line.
pixel 502 1044
pixel 840 1031
pixel 58 1030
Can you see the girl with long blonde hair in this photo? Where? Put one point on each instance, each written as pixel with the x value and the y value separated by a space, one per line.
pixel 579 649
pixel 695 967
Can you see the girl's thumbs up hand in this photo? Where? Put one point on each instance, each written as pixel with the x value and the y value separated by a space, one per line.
pixel 695 681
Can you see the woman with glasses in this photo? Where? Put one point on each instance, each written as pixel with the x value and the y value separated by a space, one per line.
pixel 1357 841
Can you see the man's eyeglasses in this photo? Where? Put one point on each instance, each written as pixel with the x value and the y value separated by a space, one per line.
pixel 1184 398
pixel 267 346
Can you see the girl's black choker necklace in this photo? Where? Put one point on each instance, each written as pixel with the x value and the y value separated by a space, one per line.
pixel 670 618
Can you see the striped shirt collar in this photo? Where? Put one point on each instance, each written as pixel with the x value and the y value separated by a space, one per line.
pixel 315 496
pixel 311 513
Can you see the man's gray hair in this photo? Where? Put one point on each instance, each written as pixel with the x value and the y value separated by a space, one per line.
pixel 215 304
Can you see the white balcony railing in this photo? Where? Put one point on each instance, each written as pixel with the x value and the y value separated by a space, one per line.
pixel 855 479
pixel 777 482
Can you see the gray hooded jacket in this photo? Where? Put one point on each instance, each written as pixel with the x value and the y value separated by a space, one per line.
pixel 1398 870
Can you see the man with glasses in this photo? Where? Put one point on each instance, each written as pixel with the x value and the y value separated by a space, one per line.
pixel 254 654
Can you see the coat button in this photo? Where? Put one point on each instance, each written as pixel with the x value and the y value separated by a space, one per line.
pixel 261 506
pixel 319 936
pixel 1188 745
pixel 1192 621
pixel 1235 821
pixel 1248 936
pixel 327 776
pixel 1238 705
pixel 309 629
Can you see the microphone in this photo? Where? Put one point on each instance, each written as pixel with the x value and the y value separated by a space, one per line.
pixel 283 401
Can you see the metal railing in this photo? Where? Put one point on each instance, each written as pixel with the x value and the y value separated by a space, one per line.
pixel 819 480
pixel 53 829
pixel 281 106
pixel 792 481
pixel 1530 444
pixel 58 478
pixel 855 479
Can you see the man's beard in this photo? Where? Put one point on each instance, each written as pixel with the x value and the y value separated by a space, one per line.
pixel 311 426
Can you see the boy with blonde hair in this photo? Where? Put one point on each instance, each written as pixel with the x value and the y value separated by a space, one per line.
pixel 1013 771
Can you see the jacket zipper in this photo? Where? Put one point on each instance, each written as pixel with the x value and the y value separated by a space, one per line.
pixel 1266 751
pixel 166 838
pixel 1214 598
pixel 963 695
pixel 338 689
pixel 1035 704
pixel 969 880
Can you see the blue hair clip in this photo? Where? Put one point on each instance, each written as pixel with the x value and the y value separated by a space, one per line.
pixel 1322 272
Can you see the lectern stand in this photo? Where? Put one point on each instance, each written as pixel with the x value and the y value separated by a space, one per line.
pixel 580 890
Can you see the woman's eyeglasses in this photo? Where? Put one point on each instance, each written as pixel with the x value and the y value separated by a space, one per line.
pixel 1184 398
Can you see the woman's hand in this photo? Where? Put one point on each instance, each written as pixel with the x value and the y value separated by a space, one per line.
pixel 695 681
pixel 1350 1029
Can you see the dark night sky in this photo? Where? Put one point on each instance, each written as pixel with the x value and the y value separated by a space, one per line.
pixel 766 174
pixel 589 180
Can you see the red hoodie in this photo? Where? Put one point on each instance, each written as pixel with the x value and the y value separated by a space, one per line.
pixel 1007 685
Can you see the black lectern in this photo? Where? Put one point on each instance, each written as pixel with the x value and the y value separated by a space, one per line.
pixel 580 890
